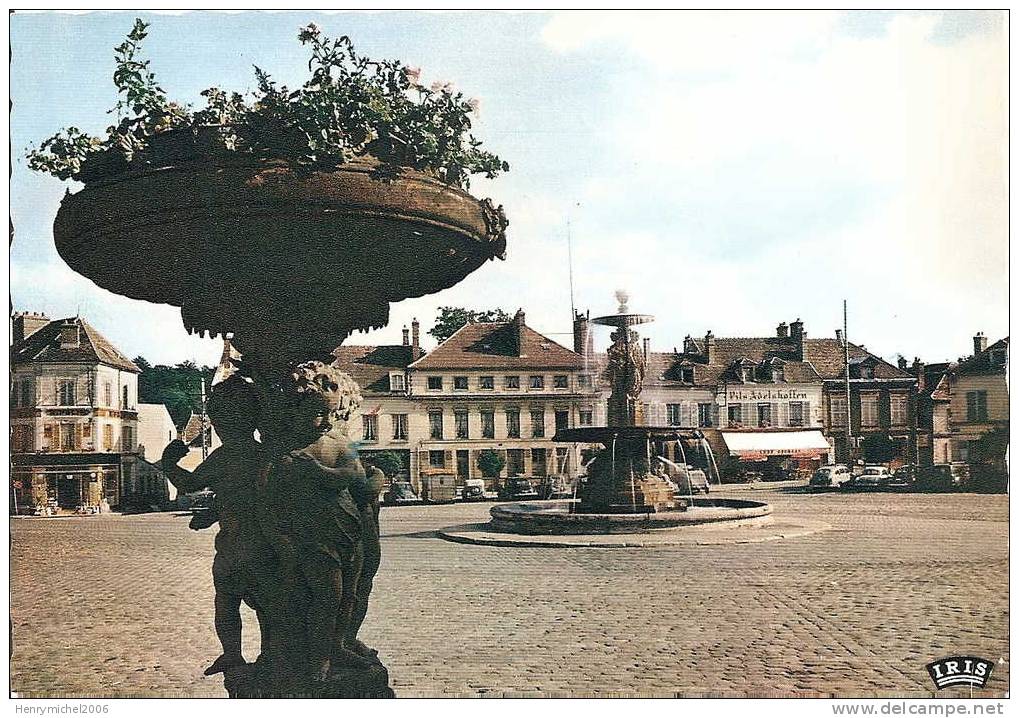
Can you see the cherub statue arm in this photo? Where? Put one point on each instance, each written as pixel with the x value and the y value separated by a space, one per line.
pixel 185 481
pixel 338 477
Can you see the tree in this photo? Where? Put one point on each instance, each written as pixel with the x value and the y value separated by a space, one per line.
pixel 142 363
pixel 388 462
pixel 450 319
pixel 491 463
pixel 179 387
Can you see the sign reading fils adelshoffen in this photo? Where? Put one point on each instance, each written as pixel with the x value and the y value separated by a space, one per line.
pixel 960 671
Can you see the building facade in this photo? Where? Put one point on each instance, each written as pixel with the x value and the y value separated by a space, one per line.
pixel 74 416
pixel 499 387
pixel 978 406
pixel 755 400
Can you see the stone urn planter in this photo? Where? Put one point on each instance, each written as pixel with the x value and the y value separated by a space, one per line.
pixel 289 259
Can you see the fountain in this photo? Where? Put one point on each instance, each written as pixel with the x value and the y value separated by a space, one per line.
pixel 627 488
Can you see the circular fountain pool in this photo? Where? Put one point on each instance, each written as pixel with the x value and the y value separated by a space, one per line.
pixel 561 517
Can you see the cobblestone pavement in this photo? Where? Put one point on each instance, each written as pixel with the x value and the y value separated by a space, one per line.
pixel 122 605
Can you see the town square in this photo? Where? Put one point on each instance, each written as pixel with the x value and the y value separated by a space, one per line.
pixel 697 389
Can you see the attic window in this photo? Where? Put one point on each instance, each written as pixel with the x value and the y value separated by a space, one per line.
pixel 747 374
pixel 397 382
pixel 686 374
pixel 69 337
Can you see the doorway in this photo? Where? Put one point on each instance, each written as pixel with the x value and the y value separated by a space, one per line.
pixel 463 464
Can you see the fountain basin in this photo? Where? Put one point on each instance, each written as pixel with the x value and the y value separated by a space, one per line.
pixel 559 518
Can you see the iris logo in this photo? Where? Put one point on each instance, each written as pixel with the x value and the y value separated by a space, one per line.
pixel 960 671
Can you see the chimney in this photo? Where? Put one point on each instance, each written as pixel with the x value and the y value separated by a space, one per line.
pixel 582 343
pixel 688 345
pixel 709 346
pixel 406 336
pixel 838 337
pixel 25 324
pixel 798 335
pixel 518 331
pixel 920 373
pixel 903 363
pixel 979 343
pixel 415 339
pixel 782 330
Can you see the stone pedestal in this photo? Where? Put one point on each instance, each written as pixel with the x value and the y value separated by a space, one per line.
pixel 255 681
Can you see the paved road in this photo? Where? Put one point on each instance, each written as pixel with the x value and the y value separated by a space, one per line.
pixel 117 606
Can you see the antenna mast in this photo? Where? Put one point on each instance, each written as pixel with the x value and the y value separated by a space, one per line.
pixel 569 249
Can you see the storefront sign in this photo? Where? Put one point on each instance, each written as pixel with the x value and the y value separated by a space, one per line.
pixel 733 396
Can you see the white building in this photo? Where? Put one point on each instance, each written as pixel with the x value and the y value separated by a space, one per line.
pixel 74 415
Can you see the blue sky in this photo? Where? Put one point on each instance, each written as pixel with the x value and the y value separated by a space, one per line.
pixel 731 170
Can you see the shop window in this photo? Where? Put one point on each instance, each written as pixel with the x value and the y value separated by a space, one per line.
pixel 514 462
pixel 735 415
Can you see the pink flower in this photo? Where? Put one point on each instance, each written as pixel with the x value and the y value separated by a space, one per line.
pixel 413 74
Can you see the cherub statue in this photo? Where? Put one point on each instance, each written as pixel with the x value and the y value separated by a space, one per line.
pixel 317 511
pixel 232 471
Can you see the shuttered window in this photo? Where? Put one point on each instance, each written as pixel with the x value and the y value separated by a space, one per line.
pixel 898 408
pixel 976 406
pixel 869 410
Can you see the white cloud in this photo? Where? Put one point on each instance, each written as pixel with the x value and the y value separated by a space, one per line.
pixel 749 113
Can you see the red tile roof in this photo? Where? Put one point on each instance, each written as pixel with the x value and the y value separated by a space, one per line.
pixel 44 345
pixel 499 345
pixel 370 366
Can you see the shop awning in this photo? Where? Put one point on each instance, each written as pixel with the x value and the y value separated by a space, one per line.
pixel 759 445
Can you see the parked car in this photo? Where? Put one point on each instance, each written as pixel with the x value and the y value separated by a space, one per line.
pixel 439 488
pixel 872 477
pixel 941 477
pixel 517 489
pixel 904 476
pixel 400 493
pixel 474 490
pixel 832 475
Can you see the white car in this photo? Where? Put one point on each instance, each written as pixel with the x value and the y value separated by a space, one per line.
pixel 873 476
pixel 833 475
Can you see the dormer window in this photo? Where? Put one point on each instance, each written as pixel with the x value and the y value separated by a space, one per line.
pixel 69 338
pixel 748 374
pixel 397 382
pixel 686 374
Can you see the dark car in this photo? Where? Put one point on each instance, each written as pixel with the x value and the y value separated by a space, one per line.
pixel 473 493
pixel 903 477
pixel 400 493
pixel 940 477
pixel 518 490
